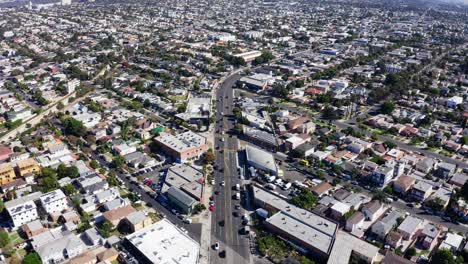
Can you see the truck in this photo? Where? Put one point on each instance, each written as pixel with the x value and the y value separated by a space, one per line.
pixel 238 196
pixel 304 162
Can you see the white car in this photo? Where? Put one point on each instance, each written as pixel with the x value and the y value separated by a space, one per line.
pixel 222 183
pixel 216 246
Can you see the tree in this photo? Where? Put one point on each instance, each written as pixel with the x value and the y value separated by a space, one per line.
pixel 464 191
pixel 64 171
pixel 74 127
pixel 32 258
pixel 112 180
pixel 69 189
pixel 94 164
pixel 329 113
pixel 305 199
pixel 106 228
pixel 2 205
pixel 4 239
pixel 49 184
pixel 118 161
pixel 464 140
pixel 445 256
pixel 410 252
pixel 387 108
pixel 389 144
pixel 198 208
pixel 209 157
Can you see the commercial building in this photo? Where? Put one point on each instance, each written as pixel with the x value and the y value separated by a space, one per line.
pixel 181 200
pixel 261 160
pixel 186 178
pixel 249 55
pixel 347 245
pixel 310 233
pixel 163 242
pixel 198 109
pixel 182 147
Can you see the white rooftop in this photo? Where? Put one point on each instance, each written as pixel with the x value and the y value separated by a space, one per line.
pixel 183 141
pixel 164 243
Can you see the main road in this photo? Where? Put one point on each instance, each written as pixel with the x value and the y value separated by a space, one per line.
pixel 225 224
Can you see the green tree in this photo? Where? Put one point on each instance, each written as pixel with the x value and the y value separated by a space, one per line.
pixel 49 184
pixel 74 127
pixel 387 108
pixel 112 180
pixel 305 199
pixel 329 113
pixel 464 140
pixel 106 228
pixel 69 189
pixel 2 205
pixel 4 239
pixel 118 161
pixel 32 258
pixel 94 164
pixel 445 256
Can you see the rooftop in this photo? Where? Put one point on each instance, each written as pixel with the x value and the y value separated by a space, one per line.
pixel 164 243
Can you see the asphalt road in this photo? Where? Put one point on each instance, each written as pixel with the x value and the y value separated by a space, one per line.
pixel 194 230
pixel 225 226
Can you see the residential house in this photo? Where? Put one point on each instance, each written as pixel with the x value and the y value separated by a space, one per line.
pixel 137 220
pixel 393 239
pixel 108 256
pixel 445 170
pixel 409 227
pixel 458 179
pixel 385 225
pixel 27 166
pixel 321 189
pixel 421 191
pixel 7 174
pixel 33 228
pixel 54 201
pixel 338 210
pixel 403 184
pixel 429 235
pixel 114 216
pixel 425 165
pixel 354 222
pixel 452 242
pixel 382 175
pixel 61 249
pixel 373 210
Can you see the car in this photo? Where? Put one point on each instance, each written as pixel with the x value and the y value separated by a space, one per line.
pixel 235 214
pixel 237 206
pixel 216 246
pixel 212 207
pixel 221 223
pixel 211 202
pixel 180 216
pixel 222 183
pixel 174 211
pixel 216 192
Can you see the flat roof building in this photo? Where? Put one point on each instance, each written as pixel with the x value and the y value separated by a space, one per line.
pixel 311 232
pixel 163 242
pixel 261 160
pixel 184 146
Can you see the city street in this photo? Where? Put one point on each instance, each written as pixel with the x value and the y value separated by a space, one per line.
pixel 226 226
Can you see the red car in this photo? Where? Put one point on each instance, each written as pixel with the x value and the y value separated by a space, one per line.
pixel 148 182
pixel 212 207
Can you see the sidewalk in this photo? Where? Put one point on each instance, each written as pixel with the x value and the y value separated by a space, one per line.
pixel 205 220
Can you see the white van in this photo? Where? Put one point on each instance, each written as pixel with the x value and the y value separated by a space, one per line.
pixel 238 196
pixel 271 186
